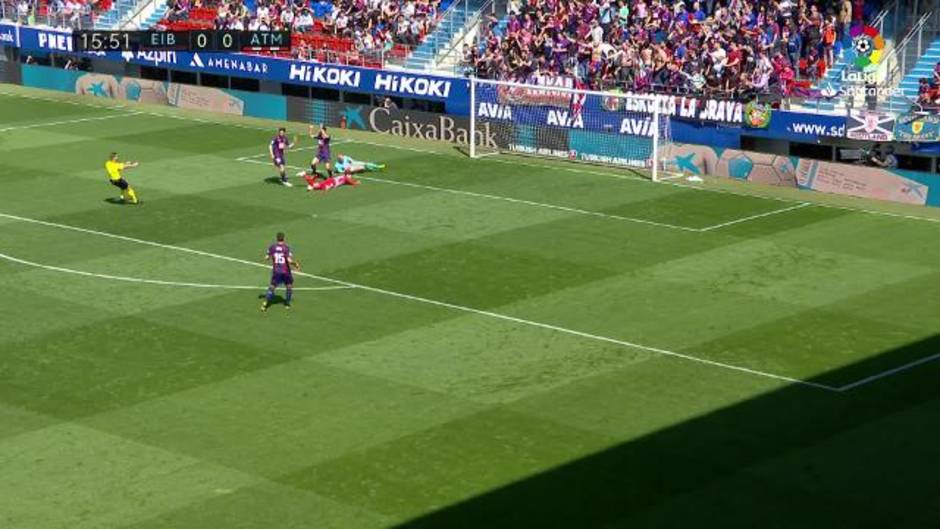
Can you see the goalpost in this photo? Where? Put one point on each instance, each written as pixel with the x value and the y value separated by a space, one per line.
pixel 562 122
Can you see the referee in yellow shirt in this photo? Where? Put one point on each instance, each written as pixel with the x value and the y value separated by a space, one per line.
pixel 114 168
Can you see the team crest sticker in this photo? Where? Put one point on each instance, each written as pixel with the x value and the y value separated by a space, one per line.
pixel 917 127
pixel 864 47
pixel 757 115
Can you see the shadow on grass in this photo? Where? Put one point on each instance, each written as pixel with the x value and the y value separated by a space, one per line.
pixel 462 149
pixel 796 457
pixel 581 165
pixel 276 300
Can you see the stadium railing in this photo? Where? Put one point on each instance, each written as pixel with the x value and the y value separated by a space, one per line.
pixel 39 13
pixel 904 57
pixel 449 53
pixel 137 20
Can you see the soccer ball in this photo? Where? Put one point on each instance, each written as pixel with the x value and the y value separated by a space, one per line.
pixel 863 45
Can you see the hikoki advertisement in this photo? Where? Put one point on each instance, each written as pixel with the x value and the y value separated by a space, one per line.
pixel 451 90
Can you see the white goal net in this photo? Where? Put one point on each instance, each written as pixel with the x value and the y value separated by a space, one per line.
pixel 551 119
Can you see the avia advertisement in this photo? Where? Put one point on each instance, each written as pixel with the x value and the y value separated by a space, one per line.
pixel 797 126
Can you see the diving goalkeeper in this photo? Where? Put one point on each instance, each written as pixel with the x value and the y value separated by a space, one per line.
pixel 347 167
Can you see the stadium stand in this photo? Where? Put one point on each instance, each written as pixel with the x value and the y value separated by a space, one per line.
pixel 76 14
pixel 731 48
pixel 717 48
pixel 452 22
pixel 111 18
pixel 360 32
pixel 155 16
pixel 922 83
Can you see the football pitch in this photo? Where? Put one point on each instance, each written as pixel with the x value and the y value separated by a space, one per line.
pixel 506 342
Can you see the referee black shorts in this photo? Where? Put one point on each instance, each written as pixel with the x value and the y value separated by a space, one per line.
pixel 120 183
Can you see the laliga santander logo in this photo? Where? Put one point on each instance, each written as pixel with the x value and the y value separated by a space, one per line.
pixel 864 47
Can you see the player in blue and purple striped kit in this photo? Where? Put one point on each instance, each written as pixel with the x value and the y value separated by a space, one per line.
pixel 278 148
pixel 323 152
pixel 283 264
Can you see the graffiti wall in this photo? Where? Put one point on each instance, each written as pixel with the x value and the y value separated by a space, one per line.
pixel 860 181
pixel 156 92
pixel 908 187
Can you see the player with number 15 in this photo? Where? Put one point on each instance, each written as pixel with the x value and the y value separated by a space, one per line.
pixel 283 263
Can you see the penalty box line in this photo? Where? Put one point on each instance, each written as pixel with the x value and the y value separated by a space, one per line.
pixel 499 197
pixel 665 181
pixel 755 217
pixel 488 160
pixel 568 209
pixel 437 303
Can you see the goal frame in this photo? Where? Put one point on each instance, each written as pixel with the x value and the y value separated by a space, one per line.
pixel 656 114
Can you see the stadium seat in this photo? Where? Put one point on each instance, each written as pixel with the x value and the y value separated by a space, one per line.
pixel 357 43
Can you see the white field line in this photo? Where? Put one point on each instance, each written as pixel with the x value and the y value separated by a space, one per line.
pixel 504 199
pixel 151 281
pixel 496 160
pixel 578 211
pixel 665 181
pixel 888 373
pixel 443 304
pixel 753 217
pixel 818 204
pixel 68 121
pixel 510 162
pixel 671 177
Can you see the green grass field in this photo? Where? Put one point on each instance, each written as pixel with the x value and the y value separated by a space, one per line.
pixel 498 343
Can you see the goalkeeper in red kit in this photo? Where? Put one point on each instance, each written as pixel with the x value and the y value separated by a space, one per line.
pixel 346 167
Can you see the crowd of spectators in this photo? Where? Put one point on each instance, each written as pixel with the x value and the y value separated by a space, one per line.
pixel 732 47
pixel 928 92
pixel 728 47
pixel 369 25
pixel 74 14
pixel 405 22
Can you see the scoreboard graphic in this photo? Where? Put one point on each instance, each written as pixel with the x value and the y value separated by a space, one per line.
pixel 195 40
